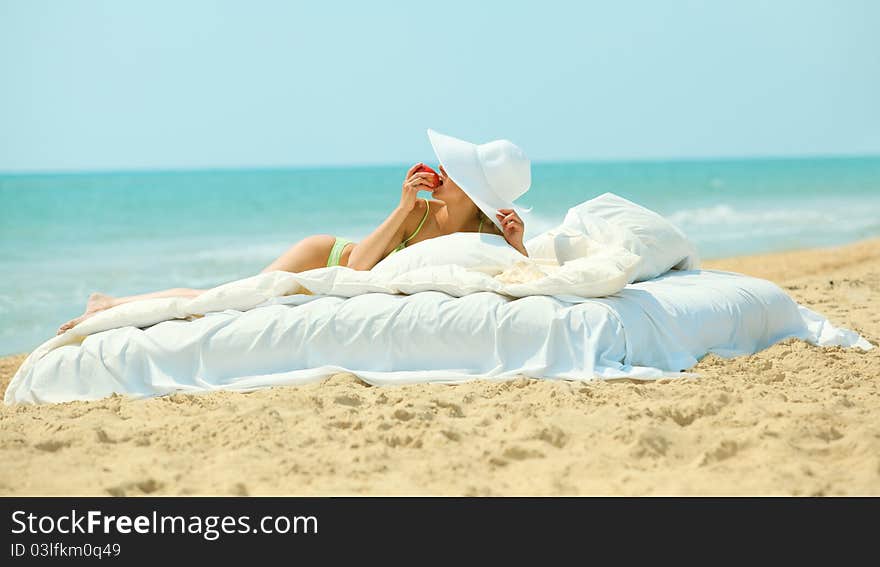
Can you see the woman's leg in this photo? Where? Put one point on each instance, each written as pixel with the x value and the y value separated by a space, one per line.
pixel 107 301
pixel 100 301
pixel 307 254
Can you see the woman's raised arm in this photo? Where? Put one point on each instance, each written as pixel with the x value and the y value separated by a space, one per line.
pixel 367 253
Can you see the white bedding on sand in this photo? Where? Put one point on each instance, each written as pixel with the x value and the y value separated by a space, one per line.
pixel 260 332
pixel 448 309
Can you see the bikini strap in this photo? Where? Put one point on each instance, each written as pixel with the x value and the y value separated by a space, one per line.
pixel 427 210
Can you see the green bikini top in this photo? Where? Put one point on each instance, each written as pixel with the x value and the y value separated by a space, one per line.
pixel 402 245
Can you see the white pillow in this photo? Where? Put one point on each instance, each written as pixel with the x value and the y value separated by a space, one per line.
pixel 611 219
pixel 541 246
pixel 560 245
pixel 487 253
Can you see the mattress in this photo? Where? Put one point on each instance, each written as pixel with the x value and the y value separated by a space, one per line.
pixel 656 328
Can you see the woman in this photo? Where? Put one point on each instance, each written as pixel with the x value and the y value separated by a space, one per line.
pixel 492 175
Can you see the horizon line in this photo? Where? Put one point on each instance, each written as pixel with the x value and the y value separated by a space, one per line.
pixel 307 167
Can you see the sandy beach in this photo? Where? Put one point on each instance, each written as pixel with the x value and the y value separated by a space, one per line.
pixel 791 420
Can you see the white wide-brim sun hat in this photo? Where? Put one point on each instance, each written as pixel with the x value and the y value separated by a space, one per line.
pixel 493 174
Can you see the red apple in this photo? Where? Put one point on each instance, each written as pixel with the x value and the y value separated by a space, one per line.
pixel 435 181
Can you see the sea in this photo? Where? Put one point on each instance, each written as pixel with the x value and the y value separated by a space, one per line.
pixel 63 236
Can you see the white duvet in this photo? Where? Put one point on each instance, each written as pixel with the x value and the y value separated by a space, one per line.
pixel 282 328
pixel 447 309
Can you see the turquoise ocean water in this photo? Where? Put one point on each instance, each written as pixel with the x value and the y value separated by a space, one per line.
pixel 64 236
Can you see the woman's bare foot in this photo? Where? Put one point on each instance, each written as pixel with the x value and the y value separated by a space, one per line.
pixel 97 302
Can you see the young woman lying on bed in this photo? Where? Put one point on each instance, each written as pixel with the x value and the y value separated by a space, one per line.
pixel 412 221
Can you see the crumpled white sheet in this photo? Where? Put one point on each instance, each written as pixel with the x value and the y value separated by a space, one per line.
pixel 438 324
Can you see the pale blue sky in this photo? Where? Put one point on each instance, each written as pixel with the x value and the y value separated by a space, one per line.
pixel 156 84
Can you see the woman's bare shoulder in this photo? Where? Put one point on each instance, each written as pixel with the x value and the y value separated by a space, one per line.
pixel 433 203
pixel 412 220
pixel 416 214
pixel 431 206
pixel 434 206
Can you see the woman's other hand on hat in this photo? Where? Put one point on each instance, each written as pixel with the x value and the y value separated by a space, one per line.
pixel 414 182
pixel 513 228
